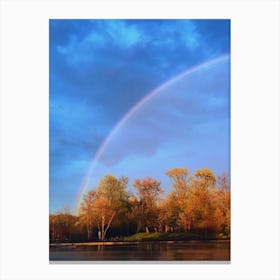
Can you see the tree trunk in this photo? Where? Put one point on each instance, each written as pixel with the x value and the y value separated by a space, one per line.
pixel 138 226
pixel 109 223
pixel 189 226
pixel 89 228
pixel 102 226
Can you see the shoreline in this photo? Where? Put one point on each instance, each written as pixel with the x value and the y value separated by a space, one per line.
pixel 98 243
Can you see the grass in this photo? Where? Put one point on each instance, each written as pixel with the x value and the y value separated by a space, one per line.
pixel 163 236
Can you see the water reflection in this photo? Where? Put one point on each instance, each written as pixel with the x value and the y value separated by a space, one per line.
pixel 160 251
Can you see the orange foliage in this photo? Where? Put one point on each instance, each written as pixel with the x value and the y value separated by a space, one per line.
pixel 198 202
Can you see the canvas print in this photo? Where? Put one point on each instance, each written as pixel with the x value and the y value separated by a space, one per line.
pixel 139 142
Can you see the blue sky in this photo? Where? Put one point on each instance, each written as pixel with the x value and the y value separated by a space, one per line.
pixel 99 69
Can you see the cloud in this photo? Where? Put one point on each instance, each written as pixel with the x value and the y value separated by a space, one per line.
pixel 124 58
pixel 179 111
pixel 99 69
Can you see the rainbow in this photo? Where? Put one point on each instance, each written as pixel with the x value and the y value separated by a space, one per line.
pixel 126 117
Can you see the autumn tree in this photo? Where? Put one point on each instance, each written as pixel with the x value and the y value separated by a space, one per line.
pixel 148 190
pixel 205 178
pixel 180 196
pixel 169 211
pixel 223 201
pixel 62 225
pixel 202 202
pixel 87 213
pixel 52 226
pixel 179 177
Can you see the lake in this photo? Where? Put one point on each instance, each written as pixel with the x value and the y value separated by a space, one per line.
pixel 216 250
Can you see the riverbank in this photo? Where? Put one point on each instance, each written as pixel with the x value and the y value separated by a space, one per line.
pixel 109 243
pixel 139 238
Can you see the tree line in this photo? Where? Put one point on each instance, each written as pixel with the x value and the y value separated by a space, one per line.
pixel 198 203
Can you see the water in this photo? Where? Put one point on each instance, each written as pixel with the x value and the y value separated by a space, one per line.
pixel 146 251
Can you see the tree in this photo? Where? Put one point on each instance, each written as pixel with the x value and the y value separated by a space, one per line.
pixel 181 181
pixel 223 201
pixel 179 178
pixel 62 225
pixel 169 211
pixel 205 178
pixel 52 226
pixel 223 182
pixel 206 204
pixel 148 190
pixel 111 197
pixel 87 213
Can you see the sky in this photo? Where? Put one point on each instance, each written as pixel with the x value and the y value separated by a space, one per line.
pixel 135 98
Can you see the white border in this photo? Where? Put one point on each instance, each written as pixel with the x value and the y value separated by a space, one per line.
pixel 254 142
